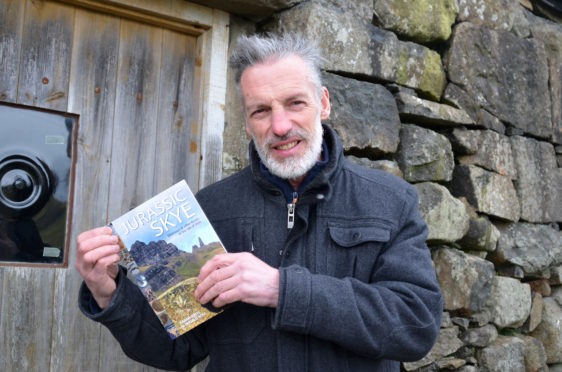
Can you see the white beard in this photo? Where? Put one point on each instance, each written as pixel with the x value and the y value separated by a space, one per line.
pixel 293 167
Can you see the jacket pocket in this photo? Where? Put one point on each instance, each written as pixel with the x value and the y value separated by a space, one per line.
pixel 355 247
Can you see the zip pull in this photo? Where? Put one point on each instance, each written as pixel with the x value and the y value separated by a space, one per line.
pixel 291 211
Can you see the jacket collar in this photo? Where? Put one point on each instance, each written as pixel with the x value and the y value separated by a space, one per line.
pixel 320 186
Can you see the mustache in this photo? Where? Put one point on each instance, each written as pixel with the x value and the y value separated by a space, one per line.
pixel 293 133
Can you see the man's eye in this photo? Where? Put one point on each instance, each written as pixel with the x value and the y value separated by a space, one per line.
pixel 258 112
pixel 297 104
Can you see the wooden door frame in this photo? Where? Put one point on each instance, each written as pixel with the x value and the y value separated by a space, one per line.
pixel 210 27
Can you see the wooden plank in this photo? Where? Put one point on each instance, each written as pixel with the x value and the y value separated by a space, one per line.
pixel 177 151
pixel 26 318
pixel 45 55
pixel 136 109
pixel 176 15
pixel 134 141
pixel 91 95
pixel 211 111
pixel 11 25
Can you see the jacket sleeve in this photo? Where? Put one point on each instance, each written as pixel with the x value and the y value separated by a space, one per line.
pixel 139 332
pixel 396 315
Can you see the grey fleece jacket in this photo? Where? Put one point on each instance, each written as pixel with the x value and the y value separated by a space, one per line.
pixel 357 288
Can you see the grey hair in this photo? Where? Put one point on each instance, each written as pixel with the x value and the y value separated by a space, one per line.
pixel 256 49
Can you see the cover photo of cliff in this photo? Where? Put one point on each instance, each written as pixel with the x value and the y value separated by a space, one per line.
pixel 166 240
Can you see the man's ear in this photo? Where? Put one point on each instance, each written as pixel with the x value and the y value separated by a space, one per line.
pixel 248 130
pixel 325 104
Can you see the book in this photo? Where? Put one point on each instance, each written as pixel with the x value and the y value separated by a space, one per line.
pixel 165 241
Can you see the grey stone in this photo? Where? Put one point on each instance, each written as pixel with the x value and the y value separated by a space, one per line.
pixel 352 45
pixel 557 295
pixel 446 344
pixel 463 323
pixel 465 280
pixel 482 235
pixel 424 155
pixel 509 302
pixel 497 74
pixel 463 141
pixel 449 363
pixel 535 316
pixel 504 354
pixel 458 97
pixel 494 153
pixel 468 368
pixel 491 122
pixel 446 217
pixel 556 275
pixel 550 34
pixel 538 186
pixel 532 247
pixel 384 165
pixel 422 22
pixel 417 110
pixel 549 331
pixel 360 8
pixel 535 355
pixel 254 10
pixel 446 320
pixel 363 114
pixel 488 192
pixel 501 15
pixel 481 336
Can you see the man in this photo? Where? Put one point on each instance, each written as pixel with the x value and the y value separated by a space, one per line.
pixel 327 267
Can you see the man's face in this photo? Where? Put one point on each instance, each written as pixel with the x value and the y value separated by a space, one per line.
pixel 283 115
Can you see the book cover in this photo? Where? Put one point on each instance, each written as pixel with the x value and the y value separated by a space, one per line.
pixel 166 240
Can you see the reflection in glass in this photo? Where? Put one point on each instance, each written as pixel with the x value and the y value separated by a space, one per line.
pixel 35 162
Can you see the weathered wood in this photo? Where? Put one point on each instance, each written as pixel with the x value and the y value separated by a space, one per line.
pixel 177 149
pixel 143 11
pixel 26 318
pixel 134 140
pixel 181 16
pixel 213 82
pixel 91 95
pixel 136 108
pixel 45 55
pixel 113 73
pixel 11 24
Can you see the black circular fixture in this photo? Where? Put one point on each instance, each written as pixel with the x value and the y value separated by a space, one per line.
pixel 25 185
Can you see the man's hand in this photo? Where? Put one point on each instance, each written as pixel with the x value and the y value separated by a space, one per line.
pixel 96 260
pixel 231 277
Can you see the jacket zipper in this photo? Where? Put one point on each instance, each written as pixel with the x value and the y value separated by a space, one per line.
pixel 291 211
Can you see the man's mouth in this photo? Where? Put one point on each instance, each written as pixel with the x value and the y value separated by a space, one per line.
pixel 287 146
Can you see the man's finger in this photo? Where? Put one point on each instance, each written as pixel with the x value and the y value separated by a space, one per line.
pixel 103 230
pixel 217 262
pixel 95 255
pixel 216 276
pixel 218 290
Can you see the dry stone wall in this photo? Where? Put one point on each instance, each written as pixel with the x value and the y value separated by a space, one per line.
pixel 461 98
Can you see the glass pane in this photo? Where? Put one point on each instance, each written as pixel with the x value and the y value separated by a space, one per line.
pixel 35 163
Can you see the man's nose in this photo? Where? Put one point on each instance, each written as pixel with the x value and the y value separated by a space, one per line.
pixel 280 122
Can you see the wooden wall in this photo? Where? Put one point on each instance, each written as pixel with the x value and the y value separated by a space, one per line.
pixel 147 79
